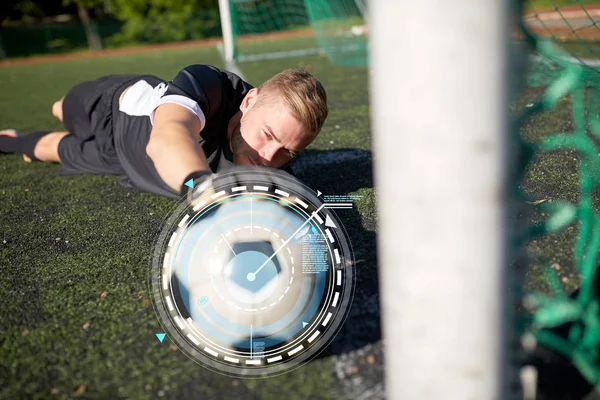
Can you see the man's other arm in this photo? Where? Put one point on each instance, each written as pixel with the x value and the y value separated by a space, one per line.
pixel 173 145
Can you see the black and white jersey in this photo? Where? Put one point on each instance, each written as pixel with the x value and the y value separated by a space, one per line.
pixel 108 136
pixel 213 95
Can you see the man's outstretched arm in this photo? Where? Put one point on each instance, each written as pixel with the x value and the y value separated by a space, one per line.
pixel 173 146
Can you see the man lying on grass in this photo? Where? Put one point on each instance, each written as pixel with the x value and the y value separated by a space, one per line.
pixel 160 134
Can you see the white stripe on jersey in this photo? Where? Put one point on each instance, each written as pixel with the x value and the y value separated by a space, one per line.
pixel 142 99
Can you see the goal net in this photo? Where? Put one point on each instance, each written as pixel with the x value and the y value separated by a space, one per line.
pixel 255 30
pixel 568 25
pixel 564 62
pixel 341 29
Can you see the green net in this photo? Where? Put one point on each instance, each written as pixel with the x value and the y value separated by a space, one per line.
pixel 264 29
pixel 267 29
pixel 565 39
pixel 260 16
pixel 570 23
pixel 341 29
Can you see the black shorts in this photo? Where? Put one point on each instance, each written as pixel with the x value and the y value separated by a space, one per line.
pixel 131 136
pixel 88 117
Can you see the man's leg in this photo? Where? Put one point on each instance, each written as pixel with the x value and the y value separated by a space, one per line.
pixel 39 145
pixel 57 109
pixel 46 149
pixel 42 146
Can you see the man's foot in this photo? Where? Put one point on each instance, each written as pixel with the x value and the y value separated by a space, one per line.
pixel 14 134
pixel 10 132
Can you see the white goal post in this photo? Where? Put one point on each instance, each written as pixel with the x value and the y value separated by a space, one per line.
pixel 439 92
pixel 227 29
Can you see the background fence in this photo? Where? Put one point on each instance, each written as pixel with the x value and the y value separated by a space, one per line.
pixel 22 40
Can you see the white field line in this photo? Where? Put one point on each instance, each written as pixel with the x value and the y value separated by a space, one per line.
pixel 280 54
pixel 584 61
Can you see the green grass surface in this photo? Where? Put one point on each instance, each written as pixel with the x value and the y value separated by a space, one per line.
pixel 251 47
pixel 550 177
pixel 76 319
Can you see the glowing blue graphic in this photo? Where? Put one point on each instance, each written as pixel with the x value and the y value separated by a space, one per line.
pixel 202 301
pixel 254 278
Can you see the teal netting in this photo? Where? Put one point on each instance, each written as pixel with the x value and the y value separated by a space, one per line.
pixel 565 38
pixel 341 29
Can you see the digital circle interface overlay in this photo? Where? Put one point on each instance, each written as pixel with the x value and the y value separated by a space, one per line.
pixel 255 279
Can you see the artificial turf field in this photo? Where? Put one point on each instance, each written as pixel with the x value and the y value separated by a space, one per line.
pixel 75 316
pixel 76 319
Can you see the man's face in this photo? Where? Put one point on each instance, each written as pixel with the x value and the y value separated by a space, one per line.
pixel 266 134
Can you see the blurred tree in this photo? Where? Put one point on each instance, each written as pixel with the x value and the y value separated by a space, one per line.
pixel 155 21
pixel 91 32
pixel 125 9
pixel 144 21
pixel 28 10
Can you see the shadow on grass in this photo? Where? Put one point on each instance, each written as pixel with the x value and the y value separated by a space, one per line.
pixel 350 171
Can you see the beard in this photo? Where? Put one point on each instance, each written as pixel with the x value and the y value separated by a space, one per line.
pixel 238 145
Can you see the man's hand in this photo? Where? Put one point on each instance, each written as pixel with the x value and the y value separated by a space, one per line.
pixel 173 146
pixel 205 184
pixel 199 187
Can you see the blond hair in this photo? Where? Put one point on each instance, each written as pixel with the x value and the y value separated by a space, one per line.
pixel 302 94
